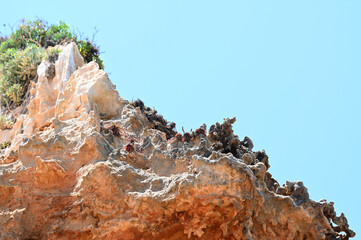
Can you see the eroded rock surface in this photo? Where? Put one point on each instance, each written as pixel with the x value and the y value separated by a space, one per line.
pixel 86 164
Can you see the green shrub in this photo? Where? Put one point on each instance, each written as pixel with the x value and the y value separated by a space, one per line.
pixel 3 39
pixel 56 34
pixel 23 51
pixel 52 54
pixel 90 52
pixel 17 68
pixel 38 32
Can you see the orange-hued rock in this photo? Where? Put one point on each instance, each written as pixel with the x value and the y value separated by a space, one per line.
pixel 86 164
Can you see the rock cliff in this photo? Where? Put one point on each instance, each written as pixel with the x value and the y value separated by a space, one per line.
pixel 86 164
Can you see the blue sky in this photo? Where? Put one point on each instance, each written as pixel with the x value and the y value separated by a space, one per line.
pixel 288 70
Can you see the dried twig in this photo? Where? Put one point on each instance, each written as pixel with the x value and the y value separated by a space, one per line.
pixel 30 38
pixel 7 105
pixel 94 34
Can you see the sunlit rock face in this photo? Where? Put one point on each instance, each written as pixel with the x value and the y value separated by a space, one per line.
pixel 86 164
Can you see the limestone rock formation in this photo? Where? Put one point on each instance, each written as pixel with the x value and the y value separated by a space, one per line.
pixel 86 164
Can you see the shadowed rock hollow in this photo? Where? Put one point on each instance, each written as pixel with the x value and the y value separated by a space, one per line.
pixel 86 164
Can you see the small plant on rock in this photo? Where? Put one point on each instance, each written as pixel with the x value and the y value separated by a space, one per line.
pixel 90 52
pixel 5 123
pixel 200 131
pixel 187 137
pixel 5 145
pixel 115 129
pixel 130 147
pixel 156 120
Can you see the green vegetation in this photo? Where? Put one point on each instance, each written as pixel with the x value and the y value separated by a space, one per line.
pixel 4 145
pixel 22 52
pixel 90 52
pixel 17 68
pixel 5 123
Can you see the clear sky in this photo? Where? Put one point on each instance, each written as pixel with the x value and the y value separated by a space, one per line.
pixel 288 70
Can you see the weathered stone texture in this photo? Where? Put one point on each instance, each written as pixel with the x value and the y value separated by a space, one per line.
pixel 86 164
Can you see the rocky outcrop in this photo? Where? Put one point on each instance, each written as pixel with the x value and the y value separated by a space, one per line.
pixel 86 164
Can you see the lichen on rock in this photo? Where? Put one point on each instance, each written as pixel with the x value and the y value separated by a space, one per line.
pixel 86 164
